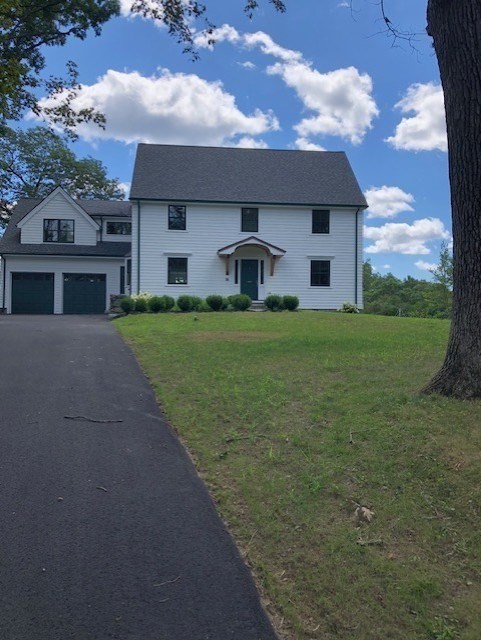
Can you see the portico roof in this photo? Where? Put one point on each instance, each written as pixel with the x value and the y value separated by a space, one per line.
pixel 252 241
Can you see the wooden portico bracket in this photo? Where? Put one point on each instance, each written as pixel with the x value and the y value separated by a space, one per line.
pixel 227 259
pixel 273 263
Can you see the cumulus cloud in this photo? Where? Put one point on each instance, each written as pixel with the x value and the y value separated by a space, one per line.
pixel 425 130
pixel 247 65
pixel 171 108
pixel 206 40
pixel 246 142
pixel 341 101
pixel 397 237
pixel 306 145
pixel 386 266
pixel 425 266
pixel 387 202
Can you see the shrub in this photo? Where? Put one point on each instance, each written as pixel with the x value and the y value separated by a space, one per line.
pixel 127 305
pixel 156 304
pixel 349 307
pixel 141 304
pixel 215 302
pixel 240 302
pixel 184 303
pixel 273 302
pixel 291 303
pixel 169 303
pixel 197 303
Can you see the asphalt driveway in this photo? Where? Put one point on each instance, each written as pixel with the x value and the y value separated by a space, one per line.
pixel 106 531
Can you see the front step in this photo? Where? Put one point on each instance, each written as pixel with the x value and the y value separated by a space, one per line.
pixel 257 305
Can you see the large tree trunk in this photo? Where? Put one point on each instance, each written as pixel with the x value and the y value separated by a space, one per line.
pixel 455 26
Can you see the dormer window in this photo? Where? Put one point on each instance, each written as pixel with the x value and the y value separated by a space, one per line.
pixel 61 231
pixel 119 228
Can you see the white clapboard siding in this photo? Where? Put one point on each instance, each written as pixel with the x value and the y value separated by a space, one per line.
pixel 60 265
pixel 58 208
pixel 210 227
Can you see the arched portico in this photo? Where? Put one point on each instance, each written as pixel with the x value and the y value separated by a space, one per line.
pixel 249 270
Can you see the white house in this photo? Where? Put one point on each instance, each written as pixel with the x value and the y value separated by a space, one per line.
pixel 61 255
pixel 202 220
pixel 258 221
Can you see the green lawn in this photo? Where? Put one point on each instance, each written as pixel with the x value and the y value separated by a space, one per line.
pixel 293 418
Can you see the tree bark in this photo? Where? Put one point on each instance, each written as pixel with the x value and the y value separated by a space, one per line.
pixel 455 26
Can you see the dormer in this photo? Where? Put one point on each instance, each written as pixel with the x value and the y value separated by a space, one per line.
pixel 58 220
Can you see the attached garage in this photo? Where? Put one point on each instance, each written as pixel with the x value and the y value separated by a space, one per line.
pixel 84 292
pixel 32 293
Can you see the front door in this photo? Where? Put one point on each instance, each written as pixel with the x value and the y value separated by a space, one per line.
pixel 249 278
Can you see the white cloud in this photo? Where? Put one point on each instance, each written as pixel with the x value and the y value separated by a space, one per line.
pixel 426 129
pixel 425 266
pixel 247 142
pixel 387 202
pixel 306 145
pixel 400 237
pixel 247 65
pixel 341 100
pixel 386 266
pixel 206 40
pixel 171 108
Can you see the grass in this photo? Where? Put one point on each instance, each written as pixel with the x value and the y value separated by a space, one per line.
pixel 268 403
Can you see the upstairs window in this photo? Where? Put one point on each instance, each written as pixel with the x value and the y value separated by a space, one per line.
pixel 320 221
pixel 320 273
pixel 177 271
pixel 177 217
pixel 119 228
pixel 58 231
pixel 250 219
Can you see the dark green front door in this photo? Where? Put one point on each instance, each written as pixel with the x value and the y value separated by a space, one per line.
pixel 249 278
pixel 32 293
pixel 84 293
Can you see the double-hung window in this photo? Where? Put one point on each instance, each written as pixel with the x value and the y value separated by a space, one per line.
pixel 177 270
pixel 320 273
pixel 320 220
pixel 177 217
pixel 58 231
pixel 250 219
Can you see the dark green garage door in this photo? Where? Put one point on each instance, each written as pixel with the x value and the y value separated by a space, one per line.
pixel 32 293
pixel 84 292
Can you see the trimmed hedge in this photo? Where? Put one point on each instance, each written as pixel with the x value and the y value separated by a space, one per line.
pixel 127 305
pixel 273 302
pixel 156 304
pixel 240 302
pixel 216 303
pixel 291 303
pixel 169 303
pixel 184 303
pixel 141 305
pixel 197 303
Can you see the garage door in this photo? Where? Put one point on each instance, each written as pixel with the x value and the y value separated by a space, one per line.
pixel 84 292
pixel 32 293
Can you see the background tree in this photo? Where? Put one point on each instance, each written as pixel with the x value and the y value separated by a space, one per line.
pixel 34 161
pixel 26 26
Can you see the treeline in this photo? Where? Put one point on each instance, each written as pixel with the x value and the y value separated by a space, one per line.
pixel 390 296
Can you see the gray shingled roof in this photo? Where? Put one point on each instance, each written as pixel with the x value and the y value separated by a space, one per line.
pixel 10 242
pixel 255 176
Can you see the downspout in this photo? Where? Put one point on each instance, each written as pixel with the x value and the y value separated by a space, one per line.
pixel 4 308
pixel 138 246
pixel 356 255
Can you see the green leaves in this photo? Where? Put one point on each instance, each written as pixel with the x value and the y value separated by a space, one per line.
pixel 34 161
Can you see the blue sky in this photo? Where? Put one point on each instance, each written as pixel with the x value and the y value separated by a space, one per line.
pixel 319 76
